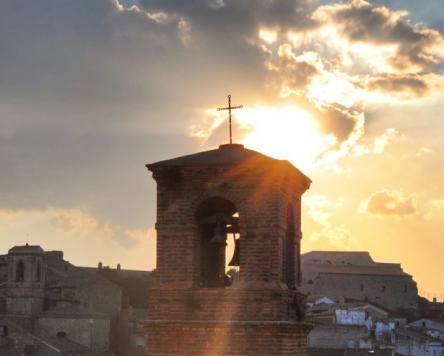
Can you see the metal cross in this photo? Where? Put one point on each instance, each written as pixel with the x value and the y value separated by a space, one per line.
pixel 229 108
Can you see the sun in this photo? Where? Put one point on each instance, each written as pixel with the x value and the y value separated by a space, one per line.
pixel 285 133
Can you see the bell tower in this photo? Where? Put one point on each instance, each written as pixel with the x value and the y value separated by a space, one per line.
pixel 26 280
pixel 206 201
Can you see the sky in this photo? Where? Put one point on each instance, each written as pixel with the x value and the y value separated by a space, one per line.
pixel 350 92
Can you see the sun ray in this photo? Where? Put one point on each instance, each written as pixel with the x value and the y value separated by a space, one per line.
pixel 284 133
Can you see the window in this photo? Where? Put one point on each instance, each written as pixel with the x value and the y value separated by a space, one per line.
pixel 38 272
pixel 382 288
pixel 20 272
pixel 218 221
pixel 405 288
pixel 61 334
pixel 361 287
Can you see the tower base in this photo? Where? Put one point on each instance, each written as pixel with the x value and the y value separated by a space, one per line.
pixel 220 338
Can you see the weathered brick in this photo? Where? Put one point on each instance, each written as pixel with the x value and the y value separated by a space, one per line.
pixel 257 314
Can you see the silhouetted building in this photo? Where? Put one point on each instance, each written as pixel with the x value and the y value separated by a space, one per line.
pixel 355 275
pixel 51 307
pixel 203 201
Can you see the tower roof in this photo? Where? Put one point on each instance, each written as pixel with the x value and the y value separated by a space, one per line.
pixel 26 250
pixel 225 155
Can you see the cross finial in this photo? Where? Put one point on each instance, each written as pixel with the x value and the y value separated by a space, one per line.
pixel 229 108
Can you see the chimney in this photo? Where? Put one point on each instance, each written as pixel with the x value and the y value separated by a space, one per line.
pixel 100 266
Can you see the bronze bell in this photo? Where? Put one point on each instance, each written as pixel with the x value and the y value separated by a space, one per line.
pixel 235 259
pixel 219 236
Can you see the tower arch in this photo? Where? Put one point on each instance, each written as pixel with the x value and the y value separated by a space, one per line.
pixel 216 218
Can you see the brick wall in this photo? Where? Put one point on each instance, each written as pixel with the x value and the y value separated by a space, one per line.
pixel 256 315
pixel 262 205
pixel 230 338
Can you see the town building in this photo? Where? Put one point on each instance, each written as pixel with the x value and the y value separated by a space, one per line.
pixel 352 326
pixel 354 275
pixel 50 307
pixel 204 202
pixel 422 337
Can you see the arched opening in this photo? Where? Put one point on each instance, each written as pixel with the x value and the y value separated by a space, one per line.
pixel 61 334
pixel 20 272
pixel 38 276
pixel 219 244
pixel 290 250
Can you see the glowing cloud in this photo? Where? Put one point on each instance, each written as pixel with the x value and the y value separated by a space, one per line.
pixel 390 203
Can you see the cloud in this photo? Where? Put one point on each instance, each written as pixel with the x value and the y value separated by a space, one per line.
pixel 360 21
pixel 341 121
pixel 390 203
pixel 291 72
pixel 10 213
pixel 91 91
pixel 79 221
pixel 434 208
pixel 405 85
pixel 381 142
pixel 337 235
pixel 75 220
pixel 73 223
pixel 234 19
pixel 321 209
pixel 423 151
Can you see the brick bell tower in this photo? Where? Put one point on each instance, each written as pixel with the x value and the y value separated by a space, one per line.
pixel 230 196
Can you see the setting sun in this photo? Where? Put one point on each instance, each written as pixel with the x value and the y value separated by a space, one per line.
pixel 285 133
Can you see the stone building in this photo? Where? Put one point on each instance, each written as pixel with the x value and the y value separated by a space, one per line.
pixel 351 326
pixel 50 307
pixel 419 341
pixel 355 275
pixel 204 200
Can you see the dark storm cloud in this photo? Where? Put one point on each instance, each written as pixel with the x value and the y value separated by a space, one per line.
pixel 360 21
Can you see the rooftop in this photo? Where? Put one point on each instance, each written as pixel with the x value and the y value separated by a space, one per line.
pixel 417 333
pixel 26 249
pixel 225 154
pixel 363 270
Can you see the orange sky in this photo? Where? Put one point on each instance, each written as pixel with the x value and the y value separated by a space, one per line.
pixel 349 92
